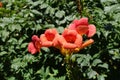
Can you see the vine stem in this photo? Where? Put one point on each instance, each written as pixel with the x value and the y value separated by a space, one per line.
pixel 72 71
pixel 79 6
pixel 69 68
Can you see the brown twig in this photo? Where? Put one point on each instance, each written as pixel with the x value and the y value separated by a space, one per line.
pixel 79 6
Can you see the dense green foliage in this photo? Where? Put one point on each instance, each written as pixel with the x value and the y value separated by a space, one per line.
pixel 20 19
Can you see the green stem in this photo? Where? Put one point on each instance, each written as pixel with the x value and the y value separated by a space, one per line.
pixel 69 67
pixel 69 72
pixel 72 72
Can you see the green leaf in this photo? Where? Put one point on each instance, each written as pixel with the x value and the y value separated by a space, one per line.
pixel 70 17
pixel 18 27
pixel 5 34
pixel 60 14
pixel 79 60
pixel 55 72
pixel 36 12
pixel 101 77
pixel 91 74
pixel 12 41
pixel 29 58
pixel 117 17
pixel 38 27
pixel 1 66
pixel 24 45
pixel 43 6
pixel 43 72
pixel 97 55
pixel 16 63
pixel 113 8
pixel 96 62
pixel 3 53
pixel 61 78
pixel 52 11
pixel 11 27
pixel 104 65
pixel 11 78
pixel 49 26
pixel 60 29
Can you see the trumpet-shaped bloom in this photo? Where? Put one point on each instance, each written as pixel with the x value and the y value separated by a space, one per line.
pixel 83 27
pixel 35 45
pixel 69 41
pixel 72 38
pixel 48 37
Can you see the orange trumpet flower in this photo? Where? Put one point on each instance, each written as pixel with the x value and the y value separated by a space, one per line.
pixel 68 41
pixel 48 37
pixel 73 39
pixel 83 27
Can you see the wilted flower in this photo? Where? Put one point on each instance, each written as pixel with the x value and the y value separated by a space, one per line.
pixel 35 45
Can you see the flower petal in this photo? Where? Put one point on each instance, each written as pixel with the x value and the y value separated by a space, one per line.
pixel 31 48
pixel 76 22
pixel 82 29
pixel 72 26
pixel 91 30
pixel 50 34
pixel 58 41
pixel 38 45
pixel 83 21
pixel 44 41
pixel 47 44
pixel 35 38
pixel 78 40
pixel 69 35
pixel 69 46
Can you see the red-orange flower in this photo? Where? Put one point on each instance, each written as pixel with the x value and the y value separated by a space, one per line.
pixel 69 41
pixel 35 45
pixel 73 39
pixel 83 27
pixel 48 37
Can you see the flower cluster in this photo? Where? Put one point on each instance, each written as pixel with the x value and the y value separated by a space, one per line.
pixel 70 41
